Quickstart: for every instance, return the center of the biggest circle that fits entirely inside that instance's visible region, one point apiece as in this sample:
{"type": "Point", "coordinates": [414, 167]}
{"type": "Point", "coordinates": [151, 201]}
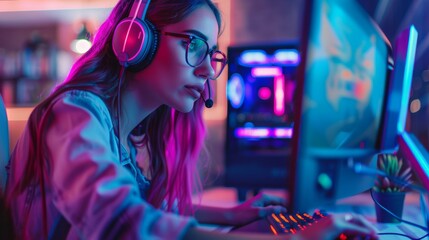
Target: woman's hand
{"type": "Point", "coordinates": [331, 227]}
{"type": "Point", "coordinates": [257, 207]}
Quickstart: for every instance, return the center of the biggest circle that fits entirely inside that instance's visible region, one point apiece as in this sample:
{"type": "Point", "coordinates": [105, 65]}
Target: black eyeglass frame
{"type": "Point", "coordinates": [190, 37]}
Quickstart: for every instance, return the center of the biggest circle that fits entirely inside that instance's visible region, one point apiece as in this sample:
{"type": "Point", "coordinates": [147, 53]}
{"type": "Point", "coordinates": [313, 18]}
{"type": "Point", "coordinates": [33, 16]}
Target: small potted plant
{"type": "Point", "coordinates": [389, 190]}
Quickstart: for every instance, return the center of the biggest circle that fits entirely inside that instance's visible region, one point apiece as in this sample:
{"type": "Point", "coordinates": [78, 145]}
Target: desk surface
{"type": "Point", "coordinates": [364, 205]}
{"type": "Point", "coordinates": [360, 204]}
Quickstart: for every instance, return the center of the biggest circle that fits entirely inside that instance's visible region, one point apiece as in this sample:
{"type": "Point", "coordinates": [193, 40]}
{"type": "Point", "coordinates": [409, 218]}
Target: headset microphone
{"type": "Point", "coordinates": [209, 102]}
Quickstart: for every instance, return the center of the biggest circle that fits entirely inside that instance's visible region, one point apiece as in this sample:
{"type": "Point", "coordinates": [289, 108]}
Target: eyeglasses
{"type": "Point", "coordinates": [197, 50]}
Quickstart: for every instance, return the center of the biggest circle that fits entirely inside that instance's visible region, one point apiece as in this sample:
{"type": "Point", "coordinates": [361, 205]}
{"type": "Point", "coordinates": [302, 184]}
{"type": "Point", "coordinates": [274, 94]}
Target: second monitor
{"type": "Point", "coordinates": [341, 94]}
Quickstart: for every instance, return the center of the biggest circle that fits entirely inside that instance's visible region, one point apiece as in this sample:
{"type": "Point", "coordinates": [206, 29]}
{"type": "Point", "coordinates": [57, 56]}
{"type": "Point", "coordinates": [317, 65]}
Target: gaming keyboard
{"type": "Point", "coordinates": [286, 223]}
{"type": "Point", "coordinates": [289, 223]}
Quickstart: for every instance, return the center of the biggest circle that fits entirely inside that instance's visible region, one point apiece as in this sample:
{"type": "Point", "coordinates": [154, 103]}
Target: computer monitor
{"type": "Point", "coordinates": [342, 84]}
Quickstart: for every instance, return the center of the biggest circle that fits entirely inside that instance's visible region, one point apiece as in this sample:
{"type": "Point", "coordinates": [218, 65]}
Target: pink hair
{"type": "Point", "coordinates": [175, 141]}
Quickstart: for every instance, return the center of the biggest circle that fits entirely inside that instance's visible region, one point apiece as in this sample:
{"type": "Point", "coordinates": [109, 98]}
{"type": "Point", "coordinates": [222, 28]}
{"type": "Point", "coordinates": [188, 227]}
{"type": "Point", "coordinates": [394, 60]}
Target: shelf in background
{"type": "Point", "coordinates": [18, 13]}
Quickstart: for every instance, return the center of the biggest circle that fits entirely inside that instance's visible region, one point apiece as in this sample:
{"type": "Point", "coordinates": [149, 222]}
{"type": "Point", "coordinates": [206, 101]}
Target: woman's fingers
{"type": "Point", "coordinates": [266, 200]}
{"type": "Point", "coordinates": [361, 221]}
{"type": "Point", "coordinates": [265, 211]}
{"type": "Point", "coordinates": [341, 226]}
{"type": "Point", "coordinates": [355, 226]}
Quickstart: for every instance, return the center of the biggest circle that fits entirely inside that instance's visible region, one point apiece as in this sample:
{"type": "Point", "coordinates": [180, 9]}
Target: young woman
{"type": "Point", "coordinates": [74, 174]}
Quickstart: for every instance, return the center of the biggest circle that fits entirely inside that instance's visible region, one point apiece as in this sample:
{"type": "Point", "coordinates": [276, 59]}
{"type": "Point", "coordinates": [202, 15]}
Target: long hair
{"type": "Point", "coordinates": [174, 139]}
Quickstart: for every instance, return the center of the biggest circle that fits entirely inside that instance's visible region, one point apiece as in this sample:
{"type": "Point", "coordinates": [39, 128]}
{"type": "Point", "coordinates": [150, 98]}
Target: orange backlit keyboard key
{"type": "Point", "coordinates": [292, 222]}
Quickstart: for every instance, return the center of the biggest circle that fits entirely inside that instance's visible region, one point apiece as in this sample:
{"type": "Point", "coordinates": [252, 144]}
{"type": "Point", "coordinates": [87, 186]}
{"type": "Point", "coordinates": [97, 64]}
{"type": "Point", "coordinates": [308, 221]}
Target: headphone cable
{"type": "Point", "coordinates": [118, 110]}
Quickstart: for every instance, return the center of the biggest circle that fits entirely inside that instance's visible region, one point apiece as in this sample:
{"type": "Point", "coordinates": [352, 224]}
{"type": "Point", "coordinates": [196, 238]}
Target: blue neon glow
{"type": "Point", "coordinates": [286, 57]}
{"type": "Point", "coordinates": [253, 57]}
{"type": "Point", "coordinates": [235, 90]}
{"type": "Point", "coordinates": [408, 76]}
{"type": "Point", "coordinates": [418, 155]}
{"type": "Point", "coordinates": [281, 57]}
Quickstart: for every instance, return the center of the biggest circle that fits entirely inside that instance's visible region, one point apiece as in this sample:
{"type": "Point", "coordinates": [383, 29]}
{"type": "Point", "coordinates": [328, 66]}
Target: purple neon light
{"type": "Point", "coordinates": [250, 132]}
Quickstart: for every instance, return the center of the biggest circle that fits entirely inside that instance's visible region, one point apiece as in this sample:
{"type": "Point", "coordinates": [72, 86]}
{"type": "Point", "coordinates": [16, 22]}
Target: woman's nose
{"type": "Point", "coordinates": [205, 69]}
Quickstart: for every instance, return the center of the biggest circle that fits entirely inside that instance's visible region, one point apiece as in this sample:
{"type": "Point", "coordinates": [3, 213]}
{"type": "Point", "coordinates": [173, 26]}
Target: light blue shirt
{"type": "Point", "coordinates": [86, 182]}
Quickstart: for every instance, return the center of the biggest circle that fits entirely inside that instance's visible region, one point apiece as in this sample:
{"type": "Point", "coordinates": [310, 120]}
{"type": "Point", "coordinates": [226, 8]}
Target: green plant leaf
{"type": "Point", "coordinates": [392, 166]}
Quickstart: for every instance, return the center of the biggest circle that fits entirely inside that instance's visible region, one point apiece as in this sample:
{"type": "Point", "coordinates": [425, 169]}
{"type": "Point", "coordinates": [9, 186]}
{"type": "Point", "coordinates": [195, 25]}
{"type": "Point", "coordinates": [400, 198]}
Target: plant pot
{"type": "Point", "coordinates": [393, 201]}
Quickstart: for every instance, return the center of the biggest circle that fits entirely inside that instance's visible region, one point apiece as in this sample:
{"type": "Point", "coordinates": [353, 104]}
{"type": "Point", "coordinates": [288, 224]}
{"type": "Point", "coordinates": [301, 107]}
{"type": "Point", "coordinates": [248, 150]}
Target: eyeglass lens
{"type": "Point", "coordinates": [197, 52]}
{"type": "Point", "coordinates": [218, 63]}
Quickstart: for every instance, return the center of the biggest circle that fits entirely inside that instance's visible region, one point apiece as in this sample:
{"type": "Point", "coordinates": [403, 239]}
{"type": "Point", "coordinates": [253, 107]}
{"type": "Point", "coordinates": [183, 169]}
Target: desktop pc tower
{"type": "Point", "coordinates": [260, 91]}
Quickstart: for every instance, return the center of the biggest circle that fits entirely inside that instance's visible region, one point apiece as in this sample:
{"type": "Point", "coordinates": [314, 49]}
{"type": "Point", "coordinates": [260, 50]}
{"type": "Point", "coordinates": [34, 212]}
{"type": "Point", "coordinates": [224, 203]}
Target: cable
{"type": "Point", "coordinates": [118, 110]}
{"type": "Point", "coordinates": [359, 168]}
{"type": "Point", "coordinates": [424, 236]}
{"type": "Point", "coordinates": [395, 216]}
{"type": "Point", "coordinates": [362, 169]}
{"type": "Point", "coordinates": [423, 206]}
{"type": "Point", "coordinates": [404, 235]}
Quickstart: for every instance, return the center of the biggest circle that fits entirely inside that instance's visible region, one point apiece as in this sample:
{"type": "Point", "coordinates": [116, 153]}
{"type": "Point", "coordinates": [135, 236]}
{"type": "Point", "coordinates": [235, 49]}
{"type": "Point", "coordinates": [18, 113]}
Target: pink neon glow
{"type": "Point", "coordinates": [266, 71]}
{"type": "Point", "coordinates": [283, 132]}
{"type": "Point", "coordinates": [252, 132]}
{"type": "Point", "coordinates": [279, 95]}
{"type": "Point", "coordinates": [249, 132]}
{"type": "Point", "coordinates": [264, 93]}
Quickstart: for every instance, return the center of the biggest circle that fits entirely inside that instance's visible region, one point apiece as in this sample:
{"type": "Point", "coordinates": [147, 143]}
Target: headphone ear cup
{"type": "Point", "coordinates": [135, 46]}
{"type": "Point", "coordinates": [150, 48]}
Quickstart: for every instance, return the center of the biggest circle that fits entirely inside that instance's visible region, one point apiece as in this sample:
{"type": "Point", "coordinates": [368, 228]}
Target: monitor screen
{"type": "Point", "coordinates": [344, 79]}
{"type": "Point", "coordinates": [340, 100]}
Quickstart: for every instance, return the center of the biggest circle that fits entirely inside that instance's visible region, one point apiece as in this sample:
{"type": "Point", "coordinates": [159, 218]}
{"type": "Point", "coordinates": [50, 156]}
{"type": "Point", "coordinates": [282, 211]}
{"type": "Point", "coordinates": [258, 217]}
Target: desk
{"type": "Point", "coordinates": [363, 204]}
{"type": "Point", "coordinates": [360, 204]}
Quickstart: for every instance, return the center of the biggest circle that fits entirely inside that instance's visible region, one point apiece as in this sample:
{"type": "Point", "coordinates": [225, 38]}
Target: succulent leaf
{"type": "Point", "coordinates": [395, 167]}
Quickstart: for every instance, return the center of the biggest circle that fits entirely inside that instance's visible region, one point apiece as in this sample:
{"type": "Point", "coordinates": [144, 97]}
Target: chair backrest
{"type": "Point", "coordinates": [4, 145]}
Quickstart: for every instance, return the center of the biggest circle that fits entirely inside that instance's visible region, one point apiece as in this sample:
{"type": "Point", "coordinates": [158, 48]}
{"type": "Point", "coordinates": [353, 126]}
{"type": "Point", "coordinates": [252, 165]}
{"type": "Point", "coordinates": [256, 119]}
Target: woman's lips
{"type": "Point", "coordinates": [194, 91]}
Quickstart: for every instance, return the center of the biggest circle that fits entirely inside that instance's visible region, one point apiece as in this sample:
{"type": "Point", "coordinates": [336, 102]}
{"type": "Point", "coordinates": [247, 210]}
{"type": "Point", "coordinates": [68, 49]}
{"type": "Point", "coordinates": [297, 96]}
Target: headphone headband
{"type": "Point", "coordinates": [139, 11]}
{"type": "Point", "coordinates": [135, 39]}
